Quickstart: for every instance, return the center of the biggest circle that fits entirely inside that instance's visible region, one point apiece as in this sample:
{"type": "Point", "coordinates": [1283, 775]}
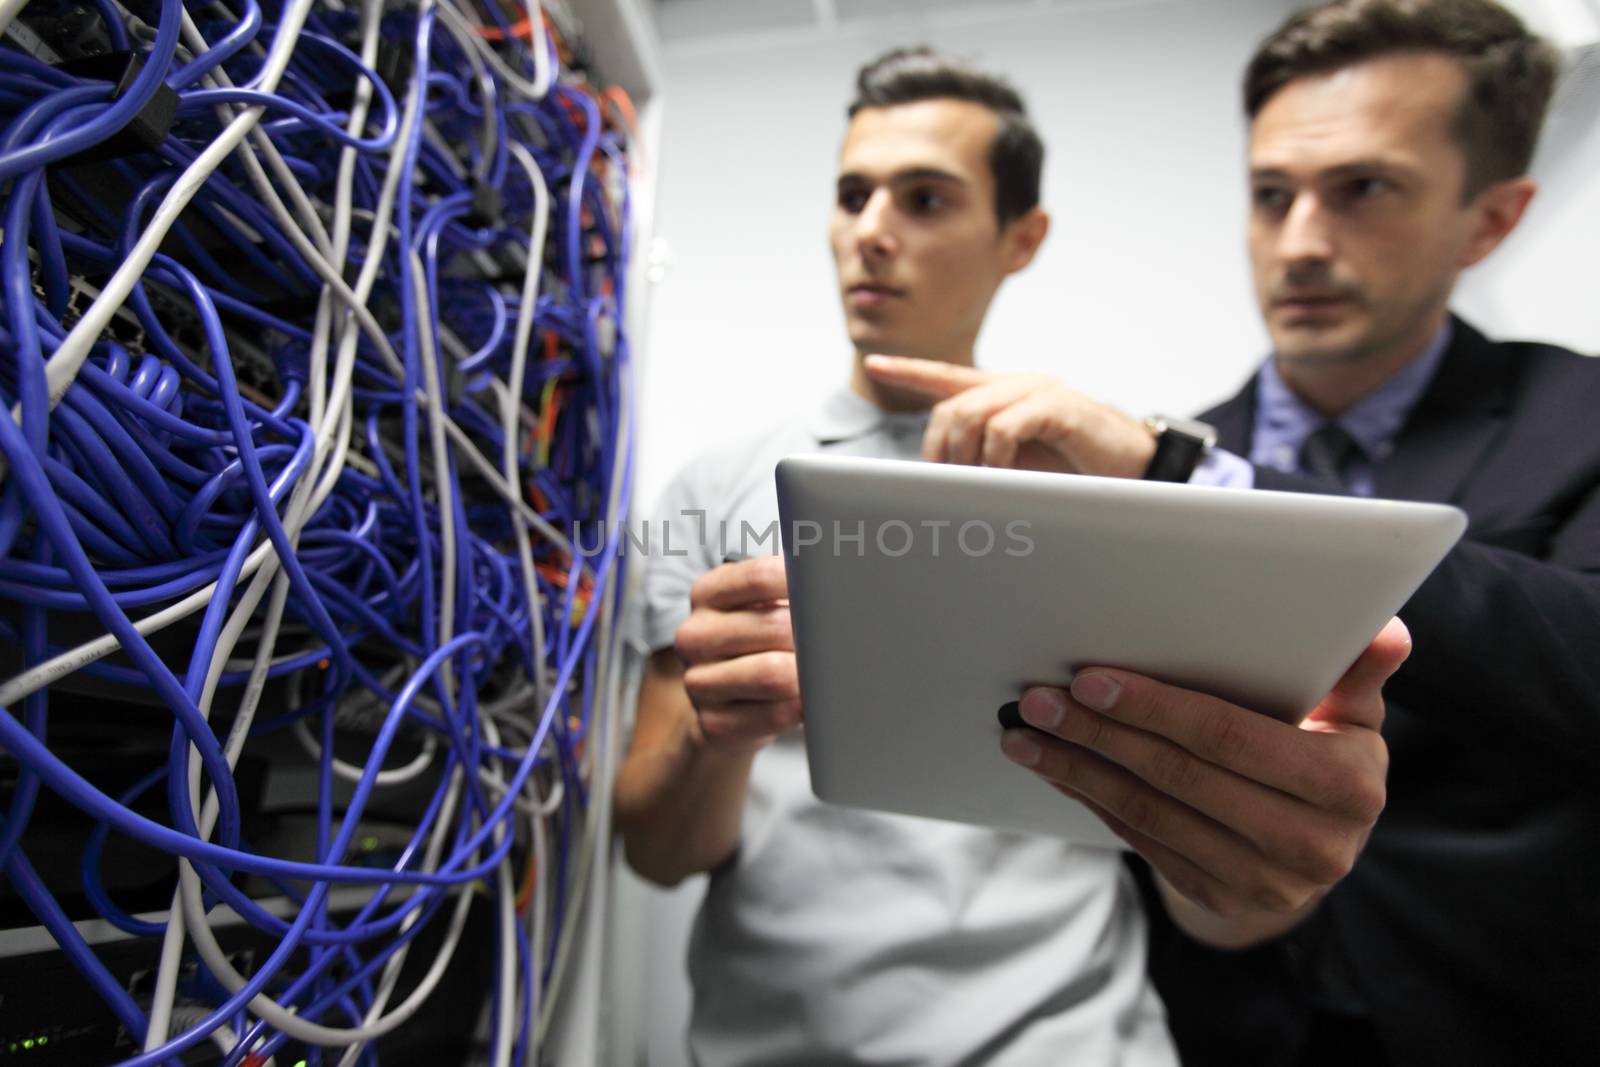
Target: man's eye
{"type": "Point", "coordinates": [926, 201]}
{"type": "Point", "coordinates": [852, 200]}
{"type": "Point", "coordinates": [1271, 198]}
{"type": "Point", "coordinates": [1367, 188]}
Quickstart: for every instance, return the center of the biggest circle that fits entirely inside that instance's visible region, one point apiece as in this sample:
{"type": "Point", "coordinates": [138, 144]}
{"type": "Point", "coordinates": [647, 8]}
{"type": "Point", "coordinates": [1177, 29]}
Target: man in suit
{"type": "Point", "coordinates": [1388, 148]}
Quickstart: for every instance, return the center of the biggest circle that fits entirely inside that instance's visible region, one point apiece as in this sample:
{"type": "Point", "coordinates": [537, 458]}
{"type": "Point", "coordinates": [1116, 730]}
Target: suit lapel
{"type": "Point", "coordinates": [1235, 420]}
{"type": "Point", "coordinates": [1459, 416]}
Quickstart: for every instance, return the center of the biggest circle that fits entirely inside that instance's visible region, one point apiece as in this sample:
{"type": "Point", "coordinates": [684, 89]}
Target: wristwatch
{"type": "Point", "coordinates": [1180, 445]}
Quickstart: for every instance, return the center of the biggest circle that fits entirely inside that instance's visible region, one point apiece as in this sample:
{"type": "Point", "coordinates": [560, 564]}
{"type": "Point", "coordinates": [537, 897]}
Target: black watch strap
{"type": "Point", "coordinates": [1180, 446]}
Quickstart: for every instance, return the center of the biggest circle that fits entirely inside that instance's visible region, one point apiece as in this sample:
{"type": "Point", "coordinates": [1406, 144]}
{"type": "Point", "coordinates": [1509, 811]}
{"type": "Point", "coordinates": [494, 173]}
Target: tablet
{"type": "Point", "coordinates": [925, 596]}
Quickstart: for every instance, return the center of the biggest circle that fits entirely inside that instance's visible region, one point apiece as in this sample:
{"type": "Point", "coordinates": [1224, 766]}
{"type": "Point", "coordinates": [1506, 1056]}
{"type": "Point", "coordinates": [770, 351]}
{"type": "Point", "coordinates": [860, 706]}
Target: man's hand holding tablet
{"type": "Point", "coordinates": [1248, 819]}
{"type": "Point", "coordinates": [737, 648]}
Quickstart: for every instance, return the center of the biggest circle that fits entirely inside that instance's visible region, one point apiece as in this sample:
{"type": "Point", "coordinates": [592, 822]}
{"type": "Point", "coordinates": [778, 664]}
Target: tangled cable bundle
{"type": "Point", "coordinates": [314, 355]}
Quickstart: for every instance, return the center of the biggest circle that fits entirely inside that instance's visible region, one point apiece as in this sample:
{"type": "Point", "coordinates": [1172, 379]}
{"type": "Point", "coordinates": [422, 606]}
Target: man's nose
{"type": "Point", "coordinates": [875, 226]}
{"type": "Point", "coordinates": [1307, 232]}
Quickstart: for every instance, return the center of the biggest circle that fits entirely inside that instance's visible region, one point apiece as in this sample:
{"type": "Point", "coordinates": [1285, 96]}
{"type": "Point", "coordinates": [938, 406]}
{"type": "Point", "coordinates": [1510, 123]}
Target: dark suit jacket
{"type": "Point", "coordinates": [1470, 926]}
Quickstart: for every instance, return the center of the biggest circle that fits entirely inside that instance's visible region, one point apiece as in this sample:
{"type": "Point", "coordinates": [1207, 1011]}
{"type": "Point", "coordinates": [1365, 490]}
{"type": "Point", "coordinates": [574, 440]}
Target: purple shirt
{"type": "Point", "coordinates": [1283, 422]}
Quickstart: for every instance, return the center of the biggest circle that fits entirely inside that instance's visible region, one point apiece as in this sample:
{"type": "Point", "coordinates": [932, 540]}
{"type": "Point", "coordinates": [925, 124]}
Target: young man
{"type": "Point", "coordinates": [831, 935]}
{"type": "Point", "coordinates": [1389, 144]}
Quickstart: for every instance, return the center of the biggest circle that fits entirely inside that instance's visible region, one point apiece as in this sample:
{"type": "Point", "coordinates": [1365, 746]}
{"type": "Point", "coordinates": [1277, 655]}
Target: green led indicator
{"type": "Point", "coordinates": [27, 1042]}
{"type": "Point", "coordinates": [302, 1063]}
{"type": "Point", "coordinates": [368, 844]}
{"type": "Point", "coordinates": [43, 1041]}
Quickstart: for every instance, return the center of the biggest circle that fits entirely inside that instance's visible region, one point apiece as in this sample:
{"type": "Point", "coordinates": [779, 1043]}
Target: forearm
{"type": "Point", "coordinates": [1234, 932]}
{"type": "Point", "coordinates": [679, 812]}
{"type": "Point", "coordinates": [679, 802]}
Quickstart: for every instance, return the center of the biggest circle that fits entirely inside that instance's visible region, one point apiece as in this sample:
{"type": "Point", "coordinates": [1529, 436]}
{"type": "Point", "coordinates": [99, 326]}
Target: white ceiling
{"type": "Point", "coordinates": [703, 20]}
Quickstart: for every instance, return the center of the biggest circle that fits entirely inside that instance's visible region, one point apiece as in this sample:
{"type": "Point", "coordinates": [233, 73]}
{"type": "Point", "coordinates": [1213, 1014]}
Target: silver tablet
{"type": "Point", "coordinates": [925, 596]}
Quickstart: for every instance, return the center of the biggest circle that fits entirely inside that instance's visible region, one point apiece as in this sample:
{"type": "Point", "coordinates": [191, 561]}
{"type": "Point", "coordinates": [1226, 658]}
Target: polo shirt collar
{"type": "Point", "coordinates": [845, 415]}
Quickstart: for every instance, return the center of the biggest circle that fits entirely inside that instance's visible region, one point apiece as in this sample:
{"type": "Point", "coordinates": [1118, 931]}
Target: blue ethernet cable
{"type": "Point", "coordinates": [155, 475]}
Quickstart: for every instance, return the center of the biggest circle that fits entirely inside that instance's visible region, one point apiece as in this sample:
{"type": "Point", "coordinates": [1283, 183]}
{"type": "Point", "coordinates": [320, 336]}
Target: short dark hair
{"type": "Point", "coordinates": [910, 75]}
{"type": "Point", "coordinates": [1511, 72]}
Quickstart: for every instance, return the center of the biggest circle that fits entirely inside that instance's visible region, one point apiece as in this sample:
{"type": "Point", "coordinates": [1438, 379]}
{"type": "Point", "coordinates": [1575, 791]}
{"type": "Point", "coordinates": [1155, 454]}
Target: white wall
{"type": "Point", "coordinates": [1140, 297]}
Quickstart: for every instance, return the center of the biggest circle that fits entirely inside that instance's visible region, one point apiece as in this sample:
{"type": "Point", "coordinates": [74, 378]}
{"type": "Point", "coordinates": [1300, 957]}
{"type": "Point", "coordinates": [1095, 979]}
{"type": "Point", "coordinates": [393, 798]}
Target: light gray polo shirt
{"type": "Point", "coordinates": [838, 936]}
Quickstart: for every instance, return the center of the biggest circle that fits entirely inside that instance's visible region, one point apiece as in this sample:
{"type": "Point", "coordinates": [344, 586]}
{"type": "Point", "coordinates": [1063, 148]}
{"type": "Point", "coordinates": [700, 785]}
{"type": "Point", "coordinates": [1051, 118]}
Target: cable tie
{"type": "Point", "coordinates": [147, 129]}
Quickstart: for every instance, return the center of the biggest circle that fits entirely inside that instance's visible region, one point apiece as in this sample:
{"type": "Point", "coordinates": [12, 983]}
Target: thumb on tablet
{"type": "Point", "coordinates": [1357, 699]}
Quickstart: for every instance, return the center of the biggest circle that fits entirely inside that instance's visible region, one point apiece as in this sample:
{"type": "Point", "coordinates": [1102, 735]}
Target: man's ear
{"type": "Point", "coordinates": [1499, 208]}
{"type": "Point", "coordinates": [1022, 238]}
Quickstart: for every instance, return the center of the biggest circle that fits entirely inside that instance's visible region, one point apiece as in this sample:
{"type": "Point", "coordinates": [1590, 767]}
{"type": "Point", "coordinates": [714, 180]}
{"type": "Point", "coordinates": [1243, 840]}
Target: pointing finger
{"type": "Point", "coordinates": [931, 377]}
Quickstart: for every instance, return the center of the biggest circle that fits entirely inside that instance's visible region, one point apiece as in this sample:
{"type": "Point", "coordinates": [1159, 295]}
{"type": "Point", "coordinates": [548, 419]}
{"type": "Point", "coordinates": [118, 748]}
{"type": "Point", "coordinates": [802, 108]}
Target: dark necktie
{"type": "Point", "coordinates": [1327, 452]}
